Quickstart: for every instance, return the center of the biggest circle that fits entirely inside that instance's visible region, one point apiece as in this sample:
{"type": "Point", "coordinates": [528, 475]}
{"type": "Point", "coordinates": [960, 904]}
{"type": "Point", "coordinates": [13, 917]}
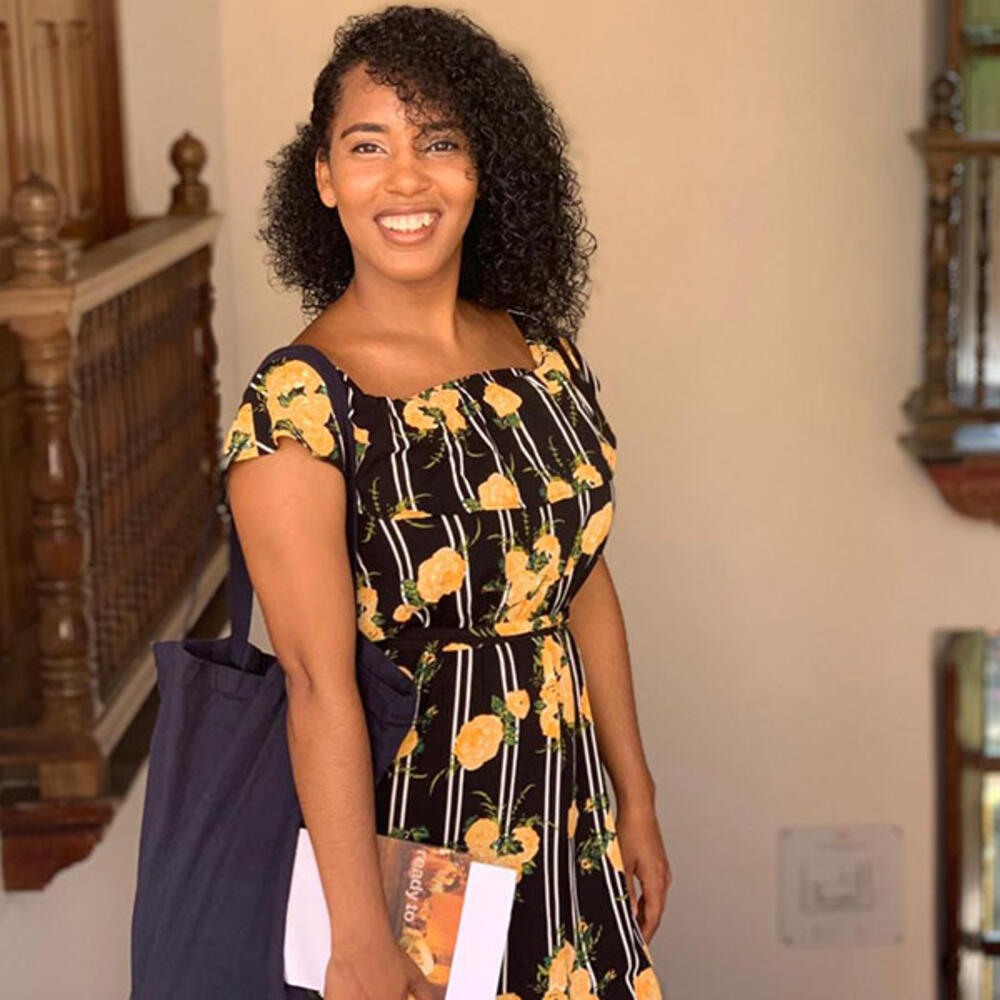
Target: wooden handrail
{"type": "Point", "coordinates": [963, 143]}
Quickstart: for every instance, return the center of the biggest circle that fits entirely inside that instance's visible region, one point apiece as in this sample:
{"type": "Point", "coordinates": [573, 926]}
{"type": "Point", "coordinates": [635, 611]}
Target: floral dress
{"type": "Point", "coordinates": [483, 503]}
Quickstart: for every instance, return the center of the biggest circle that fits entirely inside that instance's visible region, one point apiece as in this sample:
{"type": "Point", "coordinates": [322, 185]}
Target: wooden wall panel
{"type": "Point", "coordinates": [60, 114]}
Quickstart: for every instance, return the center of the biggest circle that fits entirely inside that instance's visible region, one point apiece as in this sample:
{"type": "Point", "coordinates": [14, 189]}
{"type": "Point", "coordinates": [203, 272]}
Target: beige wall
{"type": "Point", "coordinates": [781, 562]}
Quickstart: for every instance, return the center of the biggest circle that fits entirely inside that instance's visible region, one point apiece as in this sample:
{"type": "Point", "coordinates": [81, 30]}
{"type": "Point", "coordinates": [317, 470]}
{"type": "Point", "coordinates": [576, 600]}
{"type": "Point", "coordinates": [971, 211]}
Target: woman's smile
{"type": "Point", "coordinates": [408, 230]}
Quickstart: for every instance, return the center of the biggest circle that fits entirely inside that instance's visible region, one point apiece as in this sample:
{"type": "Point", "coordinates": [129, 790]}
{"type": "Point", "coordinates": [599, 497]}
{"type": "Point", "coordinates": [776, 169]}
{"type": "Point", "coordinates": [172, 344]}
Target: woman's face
{"type": "Point", "coordinates": [404, 193]}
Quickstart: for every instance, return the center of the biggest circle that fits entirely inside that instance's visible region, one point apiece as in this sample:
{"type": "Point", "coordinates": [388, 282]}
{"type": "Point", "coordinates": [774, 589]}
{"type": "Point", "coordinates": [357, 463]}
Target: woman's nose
{"type": "Point", "coordinates": [406, 172]}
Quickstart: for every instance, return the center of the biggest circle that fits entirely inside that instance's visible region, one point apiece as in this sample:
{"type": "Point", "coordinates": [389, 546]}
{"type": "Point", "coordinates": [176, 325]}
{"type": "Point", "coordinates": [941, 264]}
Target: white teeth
{"type": "Point", "coordinates": [407, 223]}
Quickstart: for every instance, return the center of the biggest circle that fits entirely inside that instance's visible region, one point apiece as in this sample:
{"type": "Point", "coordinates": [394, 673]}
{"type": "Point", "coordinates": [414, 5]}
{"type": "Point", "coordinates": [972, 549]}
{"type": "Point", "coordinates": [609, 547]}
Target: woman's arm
{"type": "Point", "coordinates": [290, 510]}
{"type": "Point", "coordinates": [599, 630]}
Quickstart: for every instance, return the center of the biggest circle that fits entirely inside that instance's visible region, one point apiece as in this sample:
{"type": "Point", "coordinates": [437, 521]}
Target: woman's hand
{"type": "Point", "coordinates": [380, 970]}
{"type": "Point", "coordinates": [644, 856]}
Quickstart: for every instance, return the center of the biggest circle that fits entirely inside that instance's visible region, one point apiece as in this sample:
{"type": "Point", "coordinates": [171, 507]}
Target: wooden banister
{"type": "Point", "coordinates": [119, 395]}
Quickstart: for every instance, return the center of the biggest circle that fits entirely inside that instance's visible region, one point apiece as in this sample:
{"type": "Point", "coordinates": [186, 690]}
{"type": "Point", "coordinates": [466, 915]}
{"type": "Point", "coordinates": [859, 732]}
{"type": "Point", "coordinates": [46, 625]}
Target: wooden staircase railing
{"type": "Point", "coordinates": [955, 411]}
{"type": "Point", "coordinates": [119, 470]}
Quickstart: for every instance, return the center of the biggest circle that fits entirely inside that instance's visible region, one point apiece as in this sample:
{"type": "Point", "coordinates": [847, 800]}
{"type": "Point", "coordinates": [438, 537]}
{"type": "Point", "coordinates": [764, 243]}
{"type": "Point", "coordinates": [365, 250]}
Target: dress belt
{"type": "Point", "coordinates": [424, 634]}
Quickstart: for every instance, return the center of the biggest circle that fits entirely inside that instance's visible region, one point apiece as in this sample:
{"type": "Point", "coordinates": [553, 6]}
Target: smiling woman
{"type": "Point", "coordinates": [430, 218]}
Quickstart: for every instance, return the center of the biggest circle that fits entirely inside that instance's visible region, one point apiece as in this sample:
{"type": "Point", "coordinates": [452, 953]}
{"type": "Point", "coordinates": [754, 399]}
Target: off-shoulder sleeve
{"type": "Point", "coordinates": [285, 397]}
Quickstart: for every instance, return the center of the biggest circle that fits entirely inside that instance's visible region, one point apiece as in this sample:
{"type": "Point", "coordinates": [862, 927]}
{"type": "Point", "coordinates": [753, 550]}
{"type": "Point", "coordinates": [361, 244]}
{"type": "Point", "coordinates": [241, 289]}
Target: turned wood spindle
{"type": "Point", "coordinates": [59, 537]}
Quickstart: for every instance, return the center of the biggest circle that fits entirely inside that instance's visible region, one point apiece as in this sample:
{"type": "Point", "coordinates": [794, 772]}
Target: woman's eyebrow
{"type": "Point", "coordinates": [435, 126]}
{"type": "Point", "coordinates": [440, 126]}
{"type": "Point", "coordinates": [363, 127]}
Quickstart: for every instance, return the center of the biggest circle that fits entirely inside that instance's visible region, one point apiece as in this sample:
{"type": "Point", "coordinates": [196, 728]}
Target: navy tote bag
{"type": "Point", "coordinates": [221, 813]}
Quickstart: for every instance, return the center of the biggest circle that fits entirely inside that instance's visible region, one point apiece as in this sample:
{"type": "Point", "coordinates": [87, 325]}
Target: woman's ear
{"type": "Point", "coordinates": [324, 182]}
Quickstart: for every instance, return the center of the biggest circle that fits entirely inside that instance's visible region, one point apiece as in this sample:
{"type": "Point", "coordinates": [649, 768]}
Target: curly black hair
{"type": "Point", "coordinates": [526, 246]}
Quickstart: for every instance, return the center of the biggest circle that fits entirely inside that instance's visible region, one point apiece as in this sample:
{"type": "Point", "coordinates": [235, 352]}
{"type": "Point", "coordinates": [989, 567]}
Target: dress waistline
{"type": "Point", "coordinates": [419, 634]}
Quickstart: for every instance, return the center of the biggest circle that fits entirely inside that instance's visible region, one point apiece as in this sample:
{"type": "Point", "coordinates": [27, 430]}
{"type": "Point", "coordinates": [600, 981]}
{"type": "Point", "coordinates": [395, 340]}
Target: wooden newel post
{"type": "Point", "coordinates": [39, 319]}
{"type": "Point", "coordinates": [189, 196]}
{"type": "Point", "coordinates": [946, 170]}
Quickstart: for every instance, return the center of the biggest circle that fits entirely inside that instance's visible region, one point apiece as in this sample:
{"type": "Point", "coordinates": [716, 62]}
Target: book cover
{"type": "Point", "coordinates": [449, 913]}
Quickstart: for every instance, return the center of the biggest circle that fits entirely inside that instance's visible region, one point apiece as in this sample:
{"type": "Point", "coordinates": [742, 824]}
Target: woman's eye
{"type": "Point", "coordinates": [445, 145]}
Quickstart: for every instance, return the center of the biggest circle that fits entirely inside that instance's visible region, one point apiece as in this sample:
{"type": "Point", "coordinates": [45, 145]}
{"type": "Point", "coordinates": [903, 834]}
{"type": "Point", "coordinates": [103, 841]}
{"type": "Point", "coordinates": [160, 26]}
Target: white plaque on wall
{"type": "Point", "coordinates": [840, 885]}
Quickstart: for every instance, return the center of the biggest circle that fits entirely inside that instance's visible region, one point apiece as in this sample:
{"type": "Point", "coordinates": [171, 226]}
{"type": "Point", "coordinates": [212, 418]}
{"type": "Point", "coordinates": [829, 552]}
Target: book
{"type": "Point", "coordinates": [450, 914]}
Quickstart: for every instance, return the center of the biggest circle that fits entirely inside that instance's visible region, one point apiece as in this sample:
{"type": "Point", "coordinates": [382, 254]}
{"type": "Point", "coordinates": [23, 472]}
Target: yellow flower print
{"type": "Point", "coordinates": [527, 589]}
{"type": "Point", "coordinates": [548, 545]}
{"type": "Point", "coordinates": [561, 965]}
{"type": "Point", "coordinates": [288, 378]}
{"type": "Point", "coordinates": [647, 986]}
{"type": "Point", "coordinates": [478, 741]}
{"type": "Point", "coordinates": [515, 562]}
{"type": "Point", "coordinates": [241, 439]}
{"type": "Point", "coordinates": [565, 687]}
{"type": "Point", "coordinates": [596, 529]}
{"type": "Point", "coordinates": [548, 719]}
{"type": "Point", "coordinates": [498, 493]}
{"type": "Point", "coordinates": [588, 473]}
{"type": "Point", "coordinates": [485, 831]}
{"type": "Point", "coordinates": [519, 702]}
{"type": "Point", "coordinates": [609, 454]}
{"type": "Point", "coordinates": [579, 985]}
{"type": "Point", "coordinates": [504, 401]}
{"type": "Point", "coordinates": [367, 598]}
{"type": "Point", "coordinates": [447, 400]}
{"type": "Point", "coordinates": [480, 837]}
{"type": "Point", "coordinates": [558, 489]}
{"type": "Point", "coordinates": [552, 654]}
{"type": "Point", "coordinates": [572, 815]}
{"type": "Point", "coordinates": [549, 693]}
{"type": "Point", "coordinates": [415, 416]}
{"type": "Point", "coordinates": [513, 627]}
{"type": "Point", "coordinates": [555, 995]}
{"type": "Point", "coordinates": [296, 406]}
{"type": "Point", "coordinates": [528, 608]}
{"type": "Point", "coordinates": [529, 841]}
{"type": "Point", "coordinates": [585, 704]}
{"type": "Point", "coordinates": [569, 567]}
{"type": "Point", "coordinates": [551, 364]}
{"type": "Point", "coordinates": [520, 583]}
{"type": "Point", "coordinates": [425, 414]}
{"type": "Point", "coordinates": [404, 612]}
{"type": "Point", "coordinates": [440, 574]}
{"type": "Point", "coordinates": [408, 744]}
{"type": "Point", "coordinates": [455, 647]}
{"type": "Point", "coordinates": [408, 514]}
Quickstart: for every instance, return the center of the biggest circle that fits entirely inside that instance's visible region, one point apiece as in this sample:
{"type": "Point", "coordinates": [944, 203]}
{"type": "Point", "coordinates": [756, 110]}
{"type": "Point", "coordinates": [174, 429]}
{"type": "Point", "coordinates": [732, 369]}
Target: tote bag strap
{"type": "Point", "coordinates": [239, 589]}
